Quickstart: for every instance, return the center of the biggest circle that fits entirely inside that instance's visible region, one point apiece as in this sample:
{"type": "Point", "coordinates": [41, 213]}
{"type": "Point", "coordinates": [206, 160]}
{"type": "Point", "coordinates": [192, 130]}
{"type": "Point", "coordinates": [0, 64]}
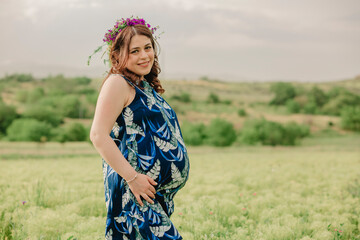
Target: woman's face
{"type": "Point", "coordinates": [141, 55]}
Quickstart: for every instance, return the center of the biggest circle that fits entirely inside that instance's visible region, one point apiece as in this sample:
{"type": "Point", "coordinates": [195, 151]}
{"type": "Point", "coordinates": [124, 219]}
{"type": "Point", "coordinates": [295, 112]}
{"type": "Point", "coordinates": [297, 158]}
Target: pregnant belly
{"type": "Point", "coordinates": [174, 173]}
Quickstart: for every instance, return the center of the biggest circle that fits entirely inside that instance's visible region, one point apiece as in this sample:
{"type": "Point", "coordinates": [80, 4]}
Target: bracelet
{"type": "Point", "coordinates": [133, 178]}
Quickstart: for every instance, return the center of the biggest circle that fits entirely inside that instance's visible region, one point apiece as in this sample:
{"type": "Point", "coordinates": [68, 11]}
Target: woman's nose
{"type": "Point", "coordinates": [143, 54]}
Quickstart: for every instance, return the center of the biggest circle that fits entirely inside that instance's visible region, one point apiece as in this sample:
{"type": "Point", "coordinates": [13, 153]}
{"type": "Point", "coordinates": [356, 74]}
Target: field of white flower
{"type": "Point", "coordinates": [55, 191]}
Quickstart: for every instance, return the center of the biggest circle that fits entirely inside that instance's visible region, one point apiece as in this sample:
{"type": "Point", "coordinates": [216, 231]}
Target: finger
{"type": "Point", "coordinates": [151, 194]}
{"type": "Point", "coordinates": [152, 181]}
{"type": "Point", "coordinates": [139, 200]}
{"type": "Point", "coordinates": [152, 189]}
{"type": "Point", "coordinates": [146, 197]}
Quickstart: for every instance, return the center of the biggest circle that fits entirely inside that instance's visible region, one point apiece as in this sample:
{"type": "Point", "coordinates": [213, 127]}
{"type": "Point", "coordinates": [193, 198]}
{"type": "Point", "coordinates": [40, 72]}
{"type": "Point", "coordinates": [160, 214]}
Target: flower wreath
{"type": "Point", "coordinates": [111, 34]}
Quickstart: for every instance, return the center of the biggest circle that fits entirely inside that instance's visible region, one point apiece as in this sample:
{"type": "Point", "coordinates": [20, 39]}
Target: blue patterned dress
{"type": "Point", "coordinates": [147, 133]}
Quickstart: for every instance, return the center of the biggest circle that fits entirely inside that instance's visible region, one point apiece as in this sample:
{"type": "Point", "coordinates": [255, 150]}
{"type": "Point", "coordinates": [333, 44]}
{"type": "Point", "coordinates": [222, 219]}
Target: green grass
{"type": "Point", "coordinates": [303, 192]}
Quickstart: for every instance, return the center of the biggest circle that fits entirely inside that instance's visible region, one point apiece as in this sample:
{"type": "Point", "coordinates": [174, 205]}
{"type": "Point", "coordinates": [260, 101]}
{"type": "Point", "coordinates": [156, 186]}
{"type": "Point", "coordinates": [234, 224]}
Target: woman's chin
{"type": "Point", "coordinates": [144, 73]}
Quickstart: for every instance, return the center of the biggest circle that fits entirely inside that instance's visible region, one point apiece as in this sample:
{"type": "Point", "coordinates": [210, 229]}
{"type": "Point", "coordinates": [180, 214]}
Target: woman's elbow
{"type": "Point", "coordinates": [94, 137]}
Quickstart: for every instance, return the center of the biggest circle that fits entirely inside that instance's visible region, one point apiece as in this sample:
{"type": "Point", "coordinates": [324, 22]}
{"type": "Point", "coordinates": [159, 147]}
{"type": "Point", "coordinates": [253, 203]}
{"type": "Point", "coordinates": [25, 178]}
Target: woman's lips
{"type": "Point", "coordinates": [144, 64]}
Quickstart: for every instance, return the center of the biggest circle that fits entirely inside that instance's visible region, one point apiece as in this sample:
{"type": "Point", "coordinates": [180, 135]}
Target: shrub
{"type": "Point", "coordinates": [292, 106]}
{"type": "Point", "coordinates": [336, 91]}
{"type": "Point", "coordinates": [302, 100]}
{"type": "Point", "coordinates": [7, 115]}
{"type": "Point", "coordinates": [87, 91]}
{"type": "Point", "coordinates": [283, 92]}
{"type": "Point", "coordinates": [334, 106]}
{"type": "Point", "coordinates": [35, 95]}
{"type": "Point", "coordinates": [92, 98]}
{"type": "Point", "coordinates": [76, 132]}
{"type": "Point", "coordinates": [220, 133]}
{"type": "Point", "coordinates": [265, 132]}
{"type": "Point", "coordinates": [226, 102]}
{"type": "Point", "coordinates": [59, 82]}
{"type": "Point", "coordinates": [350, 118]}
{"type": "Point", "coordinates": [182, 97]}
{"type": "Point", "coordinates": [293, 132]}
{"type": "Point", "coordinates": [70, 106]}
{"type": "Point", "coordinates": [19, 77]}
{"type": "Point", "coordinates": [193, 133]}
{"type": "Point", "coordinates": [24, 77]}
{"type": "Point", "coordinates": [27, 129]}
{"type": "Point", "coordinates": [317, 96]}
{"type": "Point", "coordinates": [213, 98]}
{"type": "Point", "coordinates": [50, 101]}
{"type": "Point", "coordinates": [55, 92]}
{"type": "Point", "coordinates": [242, 112]}
{"type": "Point", "coordinates": [72, 132]}
{"type": "Point", "coordinates": [310, 108]}
{"type": "Point", "coordinates": [272, 133]}
{"type": "Point", "coordinates": [21, 96]}
{"type": "Point", "coordinates": [82, 80]}
{"type": "Point", "coordinates": [44, 114]}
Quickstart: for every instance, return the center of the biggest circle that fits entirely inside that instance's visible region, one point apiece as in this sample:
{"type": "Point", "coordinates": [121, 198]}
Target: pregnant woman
{"type": "Point", "coordinates": [137, 133]}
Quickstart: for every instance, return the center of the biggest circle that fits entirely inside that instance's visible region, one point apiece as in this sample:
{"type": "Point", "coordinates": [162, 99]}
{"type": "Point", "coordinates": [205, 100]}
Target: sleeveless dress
{"type": "Point", "coordinates": [147, 133]}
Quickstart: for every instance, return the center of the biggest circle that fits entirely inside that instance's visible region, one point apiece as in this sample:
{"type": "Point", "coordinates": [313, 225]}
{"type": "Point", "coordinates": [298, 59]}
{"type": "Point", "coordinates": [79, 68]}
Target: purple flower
{"type": "Point", "coordinates": [111, 34]}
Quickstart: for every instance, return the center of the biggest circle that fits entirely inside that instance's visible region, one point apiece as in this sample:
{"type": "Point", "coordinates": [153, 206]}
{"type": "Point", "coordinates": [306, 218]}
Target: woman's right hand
{"type": "Point", "coordinates": [142, 186]}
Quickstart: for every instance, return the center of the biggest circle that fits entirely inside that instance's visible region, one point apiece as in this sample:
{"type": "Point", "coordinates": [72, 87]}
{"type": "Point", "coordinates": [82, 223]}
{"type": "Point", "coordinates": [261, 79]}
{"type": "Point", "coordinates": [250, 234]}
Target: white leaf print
{"type": "Point", "coordinates": [154, 217]}
{"type": "Point", "coordinates": [129, 225]}
{"type": "Point", "coordinates": [165, 105]}
{"type": "Point", "coordinates": [175, 173]}
{"type": "Point", "coordinates": [120, 219]}
{"type": "Point", "coordinates": [134, 129]}
{"type": "Point", "coordinates": [178, 181]}
{"type": "Point", "coordinates": [138, 216]}
{"type": "Point", "coordinates": [116, 129]}
{"type": "Point", "coordinates": [132, 157]}
{"type": "Point", "coordinates": [105, 166]}
{"type": "Point", "coordinates": [128, 116]}
{"type": "Point", "coordinates": [164, 145]}
{"type": "Point", "coordinates": [170, 205]}
{"type": "Point", "coordinates": [178, 135]}
{"type": "Point", "coordinates": [143, 208]}
{"type": "Point", "coordinates": [160, 230]}
{"type": "Point", "coordinates": [155, 170]}
{"type": "Point", "coordinates": [125, 197]}
{"type": "Point", "coordinates": [150, 102]}
{"type": "Point", "coordinates": [109, 235]}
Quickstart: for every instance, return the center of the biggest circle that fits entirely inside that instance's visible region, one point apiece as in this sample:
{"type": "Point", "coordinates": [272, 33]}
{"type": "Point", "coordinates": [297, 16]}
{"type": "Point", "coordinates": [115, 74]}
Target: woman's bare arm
{"type": "Point", "coordinates": [111, 101]}
{"type": "Point", "coordinates": [114, 95]}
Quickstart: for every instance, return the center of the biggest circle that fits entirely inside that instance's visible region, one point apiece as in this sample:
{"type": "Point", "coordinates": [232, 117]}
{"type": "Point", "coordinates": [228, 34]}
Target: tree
{"type": "Point", "coordinates": [27, 129]}
{"type": "Point", "coordinates": [220, 133]}
{"type": "Point", "coordinates": [317, 96]}
{"type": "Point", "coordinates": [7, 115]}
{"type": "Point", "coordinates": [350, 118]}
{"type": "Point", "coordinates": [283, 92]}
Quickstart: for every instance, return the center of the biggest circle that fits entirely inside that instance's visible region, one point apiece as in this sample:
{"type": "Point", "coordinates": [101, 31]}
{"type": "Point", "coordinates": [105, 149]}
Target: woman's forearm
{"type": "Point", "coordinates": [112, 155]}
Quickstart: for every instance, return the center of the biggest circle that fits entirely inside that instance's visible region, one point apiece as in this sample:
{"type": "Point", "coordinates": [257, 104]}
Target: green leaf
{"type": "Point", "coordinates": [96, 51]}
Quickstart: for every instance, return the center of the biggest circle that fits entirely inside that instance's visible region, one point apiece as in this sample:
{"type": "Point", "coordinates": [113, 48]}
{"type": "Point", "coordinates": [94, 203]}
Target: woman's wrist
{"type": "Point", "coordinates": [132, 179]}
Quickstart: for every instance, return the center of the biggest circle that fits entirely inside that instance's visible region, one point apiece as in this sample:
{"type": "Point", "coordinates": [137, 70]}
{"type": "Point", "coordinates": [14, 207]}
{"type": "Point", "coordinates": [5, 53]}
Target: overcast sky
{"type": "Point", "coordinates": [235, 40]}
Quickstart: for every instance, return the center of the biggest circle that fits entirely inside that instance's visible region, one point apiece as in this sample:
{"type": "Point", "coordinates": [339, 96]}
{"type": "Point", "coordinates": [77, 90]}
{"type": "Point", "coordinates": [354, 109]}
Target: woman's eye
{"type": "Point", "coordinates": [134, 51]}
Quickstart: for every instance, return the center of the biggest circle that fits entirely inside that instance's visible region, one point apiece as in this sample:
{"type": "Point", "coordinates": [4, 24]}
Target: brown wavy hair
{"type": "Point", "coordinates": [119, 54]}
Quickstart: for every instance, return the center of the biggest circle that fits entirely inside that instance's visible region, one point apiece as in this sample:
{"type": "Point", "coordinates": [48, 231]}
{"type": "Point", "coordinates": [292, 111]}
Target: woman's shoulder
{"type": "Point", "coordinates": [117, 84]}
{"type": "Point", "coordinates": [118, 80]}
